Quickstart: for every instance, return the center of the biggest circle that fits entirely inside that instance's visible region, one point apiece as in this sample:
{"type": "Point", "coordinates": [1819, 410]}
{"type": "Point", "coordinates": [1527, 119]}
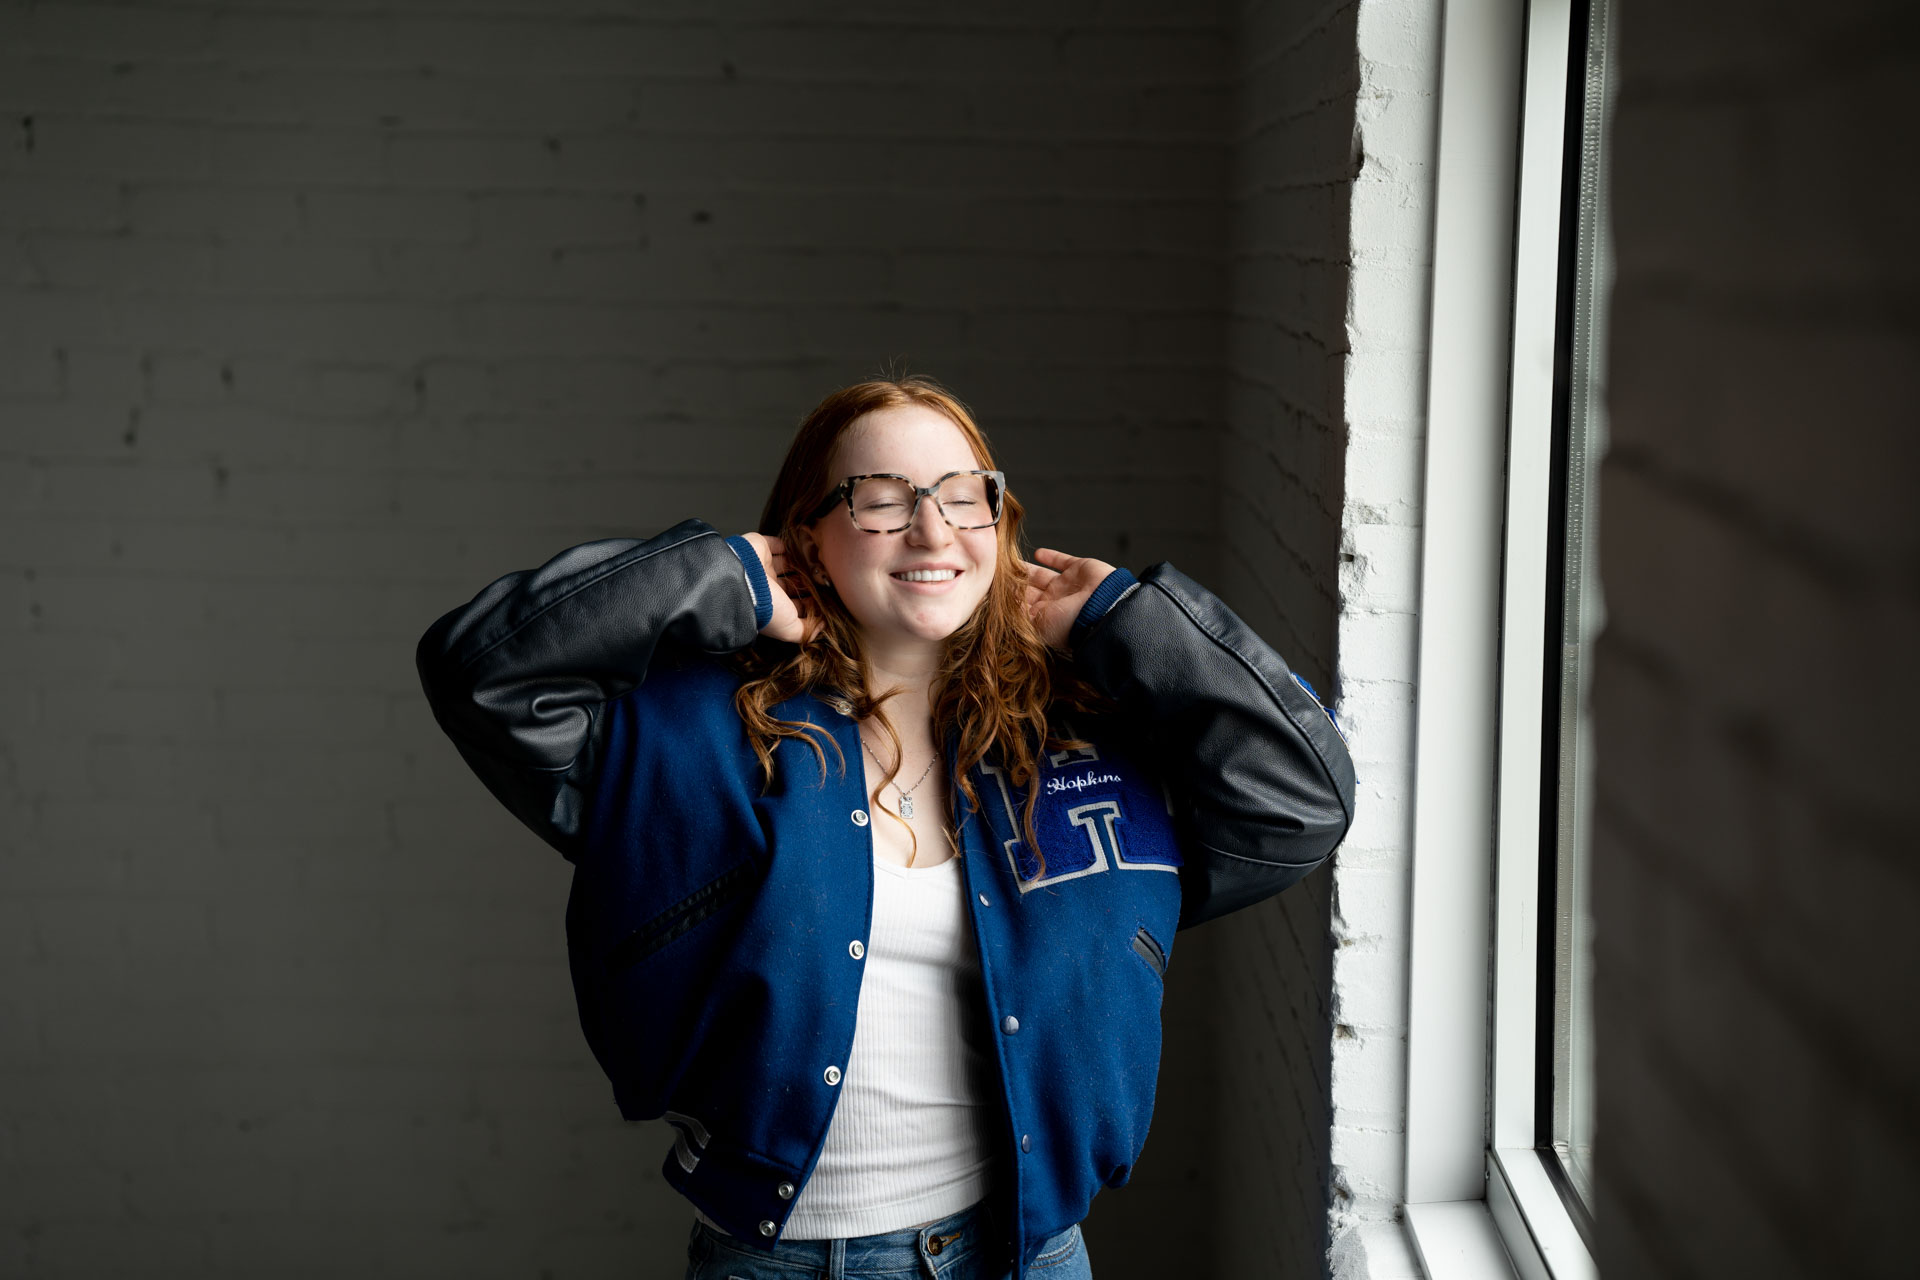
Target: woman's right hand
{"type": "Point", "coordinates": [788, 621]}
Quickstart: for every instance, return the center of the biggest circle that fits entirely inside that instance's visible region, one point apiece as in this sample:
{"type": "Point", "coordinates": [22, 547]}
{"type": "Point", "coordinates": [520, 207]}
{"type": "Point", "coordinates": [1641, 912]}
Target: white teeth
{"type": "Point", "coordinates": [927, 575]}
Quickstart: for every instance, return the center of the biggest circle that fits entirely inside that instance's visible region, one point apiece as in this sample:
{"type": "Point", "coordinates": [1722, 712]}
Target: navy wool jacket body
{"type": "Point", "coordinates": [716, 924]}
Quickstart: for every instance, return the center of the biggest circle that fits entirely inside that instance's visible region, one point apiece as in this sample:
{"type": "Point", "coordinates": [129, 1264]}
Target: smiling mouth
{"type": "Point", "coordinates": [928, 575]}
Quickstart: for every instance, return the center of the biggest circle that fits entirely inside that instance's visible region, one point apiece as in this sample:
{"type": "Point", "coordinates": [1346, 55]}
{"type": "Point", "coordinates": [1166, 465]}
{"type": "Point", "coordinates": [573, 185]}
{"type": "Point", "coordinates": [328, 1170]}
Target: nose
{"type": "Point", "coordinates": [929, 527]}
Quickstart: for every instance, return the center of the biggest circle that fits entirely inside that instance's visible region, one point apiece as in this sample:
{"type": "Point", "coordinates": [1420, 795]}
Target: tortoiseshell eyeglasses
{"type": "Point", "coordinates": [888, 503]}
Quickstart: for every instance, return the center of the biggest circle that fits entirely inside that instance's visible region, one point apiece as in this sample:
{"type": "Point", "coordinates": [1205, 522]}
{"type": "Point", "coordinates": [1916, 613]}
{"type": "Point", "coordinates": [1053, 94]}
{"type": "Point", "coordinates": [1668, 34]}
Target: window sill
{"type": "Point", "coordinates": [1521, 1231]}
{"type": "Point", "coordinates": [1457, 1240]}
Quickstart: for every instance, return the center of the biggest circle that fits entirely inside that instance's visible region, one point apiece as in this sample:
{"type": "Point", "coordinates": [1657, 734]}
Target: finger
{"type": "Point", "coordinates": [1040, 576]}
{"type": "Point", "coordinates": [775, 546]}
{"type": "Point", "coordinates": [1057, 560]}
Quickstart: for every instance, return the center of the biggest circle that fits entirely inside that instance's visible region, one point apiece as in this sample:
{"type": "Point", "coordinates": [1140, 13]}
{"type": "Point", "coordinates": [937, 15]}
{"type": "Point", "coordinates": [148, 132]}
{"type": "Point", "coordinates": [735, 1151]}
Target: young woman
{"type": "Point", "coordinates": [881, 834]}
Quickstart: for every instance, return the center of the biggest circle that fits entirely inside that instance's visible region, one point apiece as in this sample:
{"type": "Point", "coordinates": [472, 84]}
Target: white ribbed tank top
{"type": "Point", "coordinates": [912, 1137]}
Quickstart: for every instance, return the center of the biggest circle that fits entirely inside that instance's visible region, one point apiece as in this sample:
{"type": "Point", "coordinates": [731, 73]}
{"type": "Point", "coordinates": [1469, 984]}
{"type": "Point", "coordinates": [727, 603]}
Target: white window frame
{"type": "Point", "coordinates": [1479, 1202]}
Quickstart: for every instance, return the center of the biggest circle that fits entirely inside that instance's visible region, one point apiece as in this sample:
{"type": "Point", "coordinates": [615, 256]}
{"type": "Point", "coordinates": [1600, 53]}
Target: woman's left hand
{"type": "Point", "coordinates": [1057, 586]}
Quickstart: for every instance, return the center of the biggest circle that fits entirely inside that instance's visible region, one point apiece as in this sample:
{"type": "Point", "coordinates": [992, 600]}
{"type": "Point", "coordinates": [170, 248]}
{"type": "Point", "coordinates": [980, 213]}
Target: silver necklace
{"type": "Point", "coordinates": [906, 794]}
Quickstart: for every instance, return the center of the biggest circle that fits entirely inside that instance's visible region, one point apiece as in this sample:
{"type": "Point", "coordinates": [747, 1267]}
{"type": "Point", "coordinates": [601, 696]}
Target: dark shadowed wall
{"type": "Point", "coordinates": [1755, 874]}
{"type": "Point", "coordinates": [1283, 452]}
{"type": "Point", "coordinates": [315, 320]}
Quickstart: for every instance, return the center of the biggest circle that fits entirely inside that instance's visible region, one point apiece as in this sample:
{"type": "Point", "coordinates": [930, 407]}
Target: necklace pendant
{"type": "Point", "coordinates": [906, 805]}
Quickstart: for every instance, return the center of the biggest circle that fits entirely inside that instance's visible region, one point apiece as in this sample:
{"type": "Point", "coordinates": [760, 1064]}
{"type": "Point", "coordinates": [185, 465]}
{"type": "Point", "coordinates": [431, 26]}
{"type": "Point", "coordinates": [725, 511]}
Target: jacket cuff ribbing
{"type": "Point", "coordinates": [1104, 597]}
{"type": "Point", "coordinates": [756, 579]}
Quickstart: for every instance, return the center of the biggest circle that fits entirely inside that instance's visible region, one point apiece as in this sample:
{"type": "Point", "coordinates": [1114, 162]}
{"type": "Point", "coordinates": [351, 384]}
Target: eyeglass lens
{"type": "Point", "coordinates": [885, 505]}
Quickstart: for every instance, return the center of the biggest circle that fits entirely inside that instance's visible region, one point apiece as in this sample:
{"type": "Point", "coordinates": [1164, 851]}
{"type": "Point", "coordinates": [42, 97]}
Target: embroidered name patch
{"type": "Point", "coordinates": [1059, 786]}
{"type": "Point", "coordinates": [1103, 820]}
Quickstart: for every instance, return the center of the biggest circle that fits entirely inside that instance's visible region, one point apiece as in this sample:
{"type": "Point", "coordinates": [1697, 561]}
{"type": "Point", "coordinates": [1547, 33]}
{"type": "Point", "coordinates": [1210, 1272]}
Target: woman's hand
{"type": "Point", "coordinates": [789, 618]}
{"type": "Point", "coordinates": [1057, 587]}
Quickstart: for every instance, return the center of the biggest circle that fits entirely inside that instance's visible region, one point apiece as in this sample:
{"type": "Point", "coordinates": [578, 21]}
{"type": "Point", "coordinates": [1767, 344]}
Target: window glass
{"type": "Point", "coordinates": [1582, 440]}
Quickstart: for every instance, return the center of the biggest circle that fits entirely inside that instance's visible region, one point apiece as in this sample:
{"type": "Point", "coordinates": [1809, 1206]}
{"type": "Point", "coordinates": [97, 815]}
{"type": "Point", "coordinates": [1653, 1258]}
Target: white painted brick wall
{"type": "Point", "coordinates": [1385, 384]}
{"type": "Point", "coordinates": [314, 320]}
{"type": "Point", "coordinates": [1755, 876]}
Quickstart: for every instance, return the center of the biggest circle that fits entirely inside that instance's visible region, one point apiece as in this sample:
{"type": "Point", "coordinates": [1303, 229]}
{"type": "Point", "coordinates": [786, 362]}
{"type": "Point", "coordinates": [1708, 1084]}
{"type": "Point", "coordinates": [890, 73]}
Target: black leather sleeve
{"type": "Point", "coordinates": [1261, 773]}
{"type": "Point", "coordinates": [518, 677]}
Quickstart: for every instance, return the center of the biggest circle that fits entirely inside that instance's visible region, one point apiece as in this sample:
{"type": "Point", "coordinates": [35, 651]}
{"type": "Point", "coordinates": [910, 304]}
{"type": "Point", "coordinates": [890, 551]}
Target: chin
{"type": "Point", "coordinates": [941, 626]}
{"type": "Point", "coordinates": [941, 630]}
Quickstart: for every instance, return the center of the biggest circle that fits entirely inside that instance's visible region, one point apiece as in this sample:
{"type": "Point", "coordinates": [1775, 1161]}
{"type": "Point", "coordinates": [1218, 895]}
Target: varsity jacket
{"type": "Point", "coordinates": [717, 923]}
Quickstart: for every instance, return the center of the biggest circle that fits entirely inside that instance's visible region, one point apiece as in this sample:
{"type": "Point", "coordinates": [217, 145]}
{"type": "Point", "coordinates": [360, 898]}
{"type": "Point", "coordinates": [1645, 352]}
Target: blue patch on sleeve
{"type": "Point", "coordinates": [1312, 693]}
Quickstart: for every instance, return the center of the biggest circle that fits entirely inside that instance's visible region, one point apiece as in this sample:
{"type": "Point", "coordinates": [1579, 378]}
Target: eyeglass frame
{"type": "Point", "coordinates": [844, 491]}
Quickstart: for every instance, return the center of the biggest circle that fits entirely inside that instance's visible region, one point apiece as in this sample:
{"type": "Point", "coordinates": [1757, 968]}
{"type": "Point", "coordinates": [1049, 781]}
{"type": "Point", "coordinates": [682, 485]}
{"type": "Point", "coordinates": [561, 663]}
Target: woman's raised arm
{"type": "Point", "coordinates": [1253, 758]}
{"type": "Point", "coordinates": [518, 676]}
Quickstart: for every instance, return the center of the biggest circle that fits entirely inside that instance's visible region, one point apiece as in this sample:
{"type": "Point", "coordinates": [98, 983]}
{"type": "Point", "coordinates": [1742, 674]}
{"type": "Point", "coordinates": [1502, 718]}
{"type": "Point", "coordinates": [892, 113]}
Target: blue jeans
{"type": "Point", "coordinates": [965, 1246]}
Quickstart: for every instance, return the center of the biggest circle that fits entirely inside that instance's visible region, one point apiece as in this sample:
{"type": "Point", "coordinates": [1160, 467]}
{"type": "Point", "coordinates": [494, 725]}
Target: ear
{"type": "Point", "coordinates": [809, 548]}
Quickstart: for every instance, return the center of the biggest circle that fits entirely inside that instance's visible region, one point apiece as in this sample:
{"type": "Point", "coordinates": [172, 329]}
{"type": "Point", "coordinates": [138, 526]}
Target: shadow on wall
{"type": "Point", "coordinates": [1755, 878]}
{"type": "Point", "coordinates": [1245, 1076]}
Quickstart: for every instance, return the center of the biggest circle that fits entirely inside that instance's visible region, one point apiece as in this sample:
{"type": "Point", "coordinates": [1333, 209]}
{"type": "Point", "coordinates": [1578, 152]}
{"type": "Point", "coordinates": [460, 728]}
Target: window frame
{"type": "Point", "coordinates": [1481, 1199]}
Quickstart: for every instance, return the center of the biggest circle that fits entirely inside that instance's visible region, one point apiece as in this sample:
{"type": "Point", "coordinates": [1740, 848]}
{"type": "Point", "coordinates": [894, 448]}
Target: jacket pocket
{"type": "Point", "coordinates": [679, 919]}
{"type": "Point", "coordinates": [1150, 951]}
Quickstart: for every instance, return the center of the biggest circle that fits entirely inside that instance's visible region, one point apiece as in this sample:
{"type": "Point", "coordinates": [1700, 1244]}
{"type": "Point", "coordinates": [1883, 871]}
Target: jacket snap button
{"type": "Point", "coordinates": [767, 1228]}
{"type": "Point", "coordinates": [1026, 1142]}
{"type": "Point", "coordinates": [856, 948]}
{"type": "Point", "coordinates": [831, 1075]}
{"type": "Point", "coordinates": [859, 817]}
{"type": "Point", "coordinates": [1010, 1024]}
{"type": "Point", "coordinates": [984, 902]}
{"type": "Point", "coordinates": [784, 1191]}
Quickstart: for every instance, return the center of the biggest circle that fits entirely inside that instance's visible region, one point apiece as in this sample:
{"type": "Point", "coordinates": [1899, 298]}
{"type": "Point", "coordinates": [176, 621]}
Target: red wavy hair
{"type": "Point", "coordinates": [997, 677]}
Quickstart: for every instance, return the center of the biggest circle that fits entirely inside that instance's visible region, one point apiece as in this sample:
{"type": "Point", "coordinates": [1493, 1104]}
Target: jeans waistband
{"type": "Point", "coordinates": [916, 1251]}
